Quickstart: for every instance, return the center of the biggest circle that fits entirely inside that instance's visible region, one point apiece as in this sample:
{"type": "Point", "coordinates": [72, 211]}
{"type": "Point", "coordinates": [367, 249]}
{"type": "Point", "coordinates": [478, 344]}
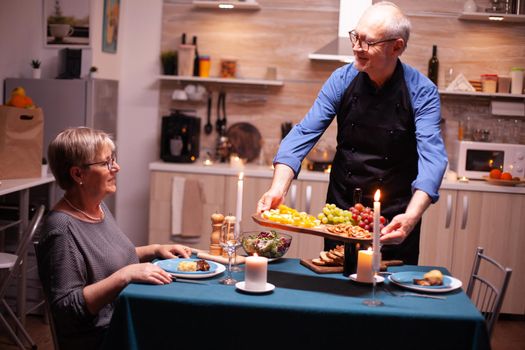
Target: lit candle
{"type": "Point", "coordinates": [238, 212]}
{"type": "Point", "coordinates": [364, 266]}
{"type": "Point", "coordinates": [256, 270]}
{"type": "Point", "coordinates": [236, 162]}
{"type": "Point", "coordinates": [377, 247]}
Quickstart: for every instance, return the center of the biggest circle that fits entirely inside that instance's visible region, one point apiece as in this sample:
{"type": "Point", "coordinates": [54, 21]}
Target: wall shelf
{"type": "Point", "coordinates": [492, 17]}
{"type": "Point", "coordinates": [226, 81]}
{"type": "Point", "coordinates": [227, 5]}
{"type": "Point", "coordinates": [482, 94]}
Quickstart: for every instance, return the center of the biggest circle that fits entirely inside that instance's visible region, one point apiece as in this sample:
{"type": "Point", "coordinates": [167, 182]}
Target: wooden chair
{"type": "Point", "coordinates": [12, 262]}
{"type": "Point", "coordinates": [487, 286]}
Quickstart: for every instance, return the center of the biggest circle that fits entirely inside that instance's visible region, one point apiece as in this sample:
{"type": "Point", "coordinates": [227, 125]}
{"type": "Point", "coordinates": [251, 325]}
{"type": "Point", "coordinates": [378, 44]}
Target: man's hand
{"type": "Point", "coordinates": [401, 225]}
{"type": "Point", "coordinates": [282, 178]}
{"type": "Point", "coordinates": [398, 229]}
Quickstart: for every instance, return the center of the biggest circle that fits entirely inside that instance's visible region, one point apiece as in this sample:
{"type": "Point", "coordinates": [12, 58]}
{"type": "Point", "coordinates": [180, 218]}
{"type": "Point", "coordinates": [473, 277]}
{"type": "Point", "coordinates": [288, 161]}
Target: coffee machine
{"type": "Point", "coordinates": [180, 136]}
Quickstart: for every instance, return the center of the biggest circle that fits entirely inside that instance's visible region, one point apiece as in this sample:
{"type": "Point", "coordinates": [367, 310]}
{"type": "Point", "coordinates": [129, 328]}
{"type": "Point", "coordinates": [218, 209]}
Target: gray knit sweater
{"type": "Point", "coordinates": [71, 255]}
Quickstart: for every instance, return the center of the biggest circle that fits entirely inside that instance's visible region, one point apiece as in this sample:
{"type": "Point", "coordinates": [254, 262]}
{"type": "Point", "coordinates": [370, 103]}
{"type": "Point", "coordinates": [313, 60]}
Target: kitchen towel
{"type": "Point", "coordinates": [187, 200]}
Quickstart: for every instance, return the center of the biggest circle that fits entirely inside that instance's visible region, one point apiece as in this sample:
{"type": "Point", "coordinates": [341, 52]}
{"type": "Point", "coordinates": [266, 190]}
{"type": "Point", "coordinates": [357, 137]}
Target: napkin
{"type": "Point", "coordinates": [187, 200]}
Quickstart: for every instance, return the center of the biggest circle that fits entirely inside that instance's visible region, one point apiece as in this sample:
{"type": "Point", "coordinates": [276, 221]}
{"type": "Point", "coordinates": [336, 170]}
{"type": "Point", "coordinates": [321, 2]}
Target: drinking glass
{"type": "Point", "coordinates": [229, 241]}
{"type": "Point", "coordinates": [374, 302]}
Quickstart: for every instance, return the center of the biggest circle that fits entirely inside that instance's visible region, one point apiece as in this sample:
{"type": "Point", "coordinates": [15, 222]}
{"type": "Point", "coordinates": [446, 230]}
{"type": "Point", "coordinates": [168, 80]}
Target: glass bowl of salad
{"type": "Point", "coordinates": [270, 244]}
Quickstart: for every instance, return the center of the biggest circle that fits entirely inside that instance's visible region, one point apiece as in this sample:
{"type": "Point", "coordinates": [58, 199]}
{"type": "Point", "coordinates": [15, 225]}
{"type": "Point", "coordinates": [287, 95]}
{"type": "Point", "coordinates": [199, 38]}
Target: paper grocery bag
{"type": "Point", "coordinates": [21, 142]}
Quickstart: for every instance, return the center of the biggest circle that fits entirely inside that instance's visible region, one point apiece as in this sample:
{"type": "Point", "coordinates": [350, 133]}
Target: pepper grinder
{"type": "Point", "coordinates": [217, 221]}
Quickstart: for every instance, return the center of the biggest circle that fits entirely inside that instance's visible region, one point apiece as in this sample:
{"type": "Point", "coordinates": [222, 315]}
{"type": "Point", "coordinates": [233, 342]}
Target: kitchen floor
{"type": "Point", "coordinates": [508, 335]}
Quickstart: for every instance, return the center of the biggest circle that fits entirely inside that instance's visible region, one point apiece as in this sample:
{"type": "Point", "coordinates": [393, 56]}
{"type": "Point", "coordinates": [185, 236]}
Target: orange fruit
{"type": "Point", "coordinates": [495, 174]}
{"type": "Point", "coordinates": [506, 176]}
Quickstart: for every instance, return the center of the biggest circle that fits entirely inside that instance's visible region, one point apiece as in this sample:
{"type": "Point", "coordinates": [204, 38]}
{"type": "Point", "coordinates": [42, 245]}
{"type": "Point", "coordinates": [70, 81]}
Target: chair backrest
{"type": "Point", "coordinates": [51, 320]}
{"type": "Point", "coordinates": [21, 250]}
{"type": "Point", "coordinates": [488, 291]}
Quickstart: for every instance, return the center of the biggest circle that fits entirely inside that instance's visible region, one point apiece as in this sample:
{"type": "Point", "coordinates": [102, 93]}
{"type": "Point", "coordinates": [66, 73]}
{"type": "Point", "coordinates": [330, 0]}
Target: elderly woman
{"type": "Point", "coordinates": [84, 259]}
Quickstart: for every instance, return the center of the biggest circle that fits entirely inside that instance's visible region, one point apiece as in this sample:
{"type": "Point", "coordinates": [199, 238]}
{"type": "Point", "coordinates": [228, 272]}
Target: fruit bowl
{"type": "Point", "coordinates": [270, 244]}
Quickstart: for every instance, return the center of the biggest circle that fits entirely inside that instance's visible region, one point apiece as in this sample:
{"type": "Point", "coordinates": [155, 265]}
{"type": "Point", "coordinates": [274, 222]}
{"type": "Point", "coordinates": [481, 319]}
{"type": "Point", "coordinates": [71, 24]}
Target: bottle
{"type": "Point", "coordinates": [196, 69]}
{"type": "Point", "coordinates": [357, 195]}
{"type": "Point", "coordinates": [433, 66]}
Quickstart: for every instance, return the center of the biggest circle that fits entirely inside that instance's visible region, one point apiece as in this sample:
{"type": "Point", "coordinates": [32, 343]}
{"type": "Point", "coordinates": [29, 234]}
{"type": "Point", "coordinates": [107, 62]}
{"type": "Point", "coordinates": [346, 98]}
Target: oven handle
{"type": "Point", "coordinates": [449, 211]}
{"type": "Point", "coordinates": [293, 195]}
{"type": "Point", "coordinates": [464, 217]}
{"type": "Point", "coordinates": [308, 199]}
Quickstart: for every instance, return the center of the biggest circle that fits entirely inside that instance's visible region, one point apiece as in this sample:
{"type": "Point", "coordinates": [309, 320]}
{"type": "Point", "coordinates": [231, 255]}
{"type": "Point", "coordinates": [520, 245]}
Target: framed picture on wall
{"type": "Point", "coordinates": [66, 23]}
{"type": "Point", "coordinates": [110, 25]}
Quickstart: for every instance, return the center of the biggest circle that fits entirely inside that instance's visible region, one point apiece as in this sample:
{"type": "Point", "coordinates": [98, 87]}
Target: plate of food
{"type": "Point", "coordinates": [270, 244]}
{"type": "Point", "coordinates": [191, 268]}
{"type": "Point", "coordinates": [502, 182]}
{"type": "Point", "coordinates": [430, 282]}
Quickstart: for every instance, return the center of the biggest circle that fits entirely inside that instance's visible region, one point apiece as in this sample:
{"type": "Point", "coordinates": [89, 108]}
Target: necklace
{"type": "Point", "coordinates": [83, 212]}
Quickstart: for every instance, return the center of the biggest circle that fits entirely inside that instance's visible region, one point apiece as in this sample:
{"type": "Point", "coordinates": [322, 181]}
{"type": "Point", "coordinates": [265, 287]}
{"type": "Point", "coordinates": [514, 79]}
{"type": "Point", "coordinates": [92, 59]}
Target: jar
{"type": "Point", "coordinates": [204, 66]}
{"type": "Point", "coordinates": [516, 75]}
{"type": "Point", "coordinates": [489, 82]}
{"type": "Point", "coordinates": [228, 68]}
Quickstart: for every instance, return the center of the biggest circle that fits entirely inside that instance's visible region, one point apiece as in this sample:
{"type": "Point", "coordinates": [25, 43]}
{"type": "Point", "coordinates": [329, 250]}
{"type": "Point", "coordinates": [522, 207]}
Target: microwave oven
{"type": "Point", "coordinates": [474, 160]}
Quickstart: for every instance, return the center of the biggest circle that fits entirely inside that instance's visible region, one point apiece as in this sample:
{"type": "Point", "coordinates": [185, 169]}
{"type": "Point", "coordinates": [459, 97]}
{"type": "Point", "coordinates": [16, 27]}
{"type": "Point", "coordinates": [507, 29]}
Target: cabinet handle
{"type": "Point", "coordinates": [449, 211]}
{"type": "Point", "coordinates": [293, 195]}
{"type": "Point", "coordinates": [465, 213]}
{"type": "Point", "coordinates": [308, 199]}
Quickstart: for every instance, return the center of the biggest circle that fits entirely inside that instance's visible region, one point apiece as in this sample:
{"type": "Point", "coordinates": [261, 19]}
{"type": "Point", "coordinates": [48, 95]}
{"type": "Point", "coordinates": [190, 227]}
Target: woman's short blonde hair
{"type": "Point", "coordinates": [75, 147]}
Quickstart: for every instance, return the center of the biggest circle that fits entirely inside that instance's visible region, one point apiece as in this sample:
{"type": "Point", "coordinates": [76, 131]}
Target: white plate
{"type": "Point", "coordinates": [241, 285]}
{"type": "Point", "coordinates": [201, 274]}
{"type": "Point", "coordinates": [451, 283]}
{"type": "Point", "coordinates": [379, 279]}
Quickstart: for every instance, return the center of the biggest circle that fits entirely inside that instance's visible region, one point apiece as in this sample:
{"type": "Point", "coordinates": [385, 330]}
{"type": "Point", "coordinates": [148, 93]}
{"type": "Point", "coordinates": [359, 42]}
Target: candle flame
{"type": "Point", "coordinates": [369, 249]}
{"type": "Point", "coordinates": [241, 175]}
{"type": "Point", "coordinates": [255, 254]}
{"type": "Point", "coordinates": [377, 196]}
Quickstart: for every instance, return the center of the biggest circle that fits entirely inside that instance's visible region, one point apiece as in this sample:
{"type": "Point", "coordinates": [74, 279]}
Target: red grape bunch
{"type": "Point", "coordinates": [364, 217]}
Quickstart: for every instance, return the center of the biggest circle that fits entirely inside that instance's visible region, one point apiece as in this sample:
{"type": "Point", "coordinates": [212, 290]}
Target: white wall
{"type": "Point", "coordinates": [22, 40]}
{"type": "Point", "coordinates": [137, 128]}
{"type": "Point", "coordinates": [135, 65]}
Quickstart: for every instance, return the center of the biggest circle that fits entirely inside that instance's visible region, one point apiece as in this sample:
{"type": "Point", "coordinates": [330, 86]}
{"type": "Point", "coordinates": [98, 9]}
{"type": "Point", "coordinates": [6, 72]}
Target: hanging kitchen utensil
{"type": "Point", "coordinates": [208, 128]}
{"type": "Point", "coordinates": [221, 113]}
{"type": "Point", "coordinates": [245, 140]}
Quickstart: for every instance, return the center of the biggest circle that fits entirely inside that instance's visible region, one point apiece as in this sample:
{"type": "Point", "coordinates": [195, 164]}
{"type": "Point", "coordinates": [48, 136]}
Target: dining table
{"type": "Point", "coordinates": [305, 310]}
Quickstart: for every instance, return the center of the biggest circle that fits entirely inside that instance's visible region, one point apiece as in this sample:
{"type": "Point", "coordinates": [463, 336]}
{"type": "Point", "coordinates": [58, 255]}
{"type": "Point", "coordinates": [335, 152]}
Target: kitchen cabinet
{"type": "Point", "coordinates": [160, 205]}
{"type": "Point", "coordinates": [464, 220]}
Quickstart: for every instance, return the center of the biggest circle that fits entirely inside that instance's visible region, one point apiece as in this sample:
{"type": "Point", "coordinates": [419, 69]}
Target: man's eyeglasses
{"type": "Point", "coordinates": [363, 44]}
{"type": "Point", "coordinates": [110, 164]}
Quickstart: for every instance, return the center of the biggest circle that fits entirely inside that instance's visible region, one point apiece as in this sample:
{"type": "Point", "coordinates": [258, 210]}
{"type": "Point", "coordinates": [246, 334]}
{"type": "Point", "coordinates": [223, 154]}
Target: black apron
{"type": "Point", "coordinates": [376, 149]}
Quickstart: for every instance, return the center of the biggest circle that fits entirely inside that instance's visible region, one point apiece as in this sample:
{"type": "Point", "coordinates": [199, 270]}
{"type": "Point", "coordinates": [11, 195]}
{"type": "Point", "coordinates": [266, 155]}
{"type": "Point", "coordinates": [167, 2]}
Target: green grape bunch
{"type": "Point", "coordinates": [332, 215]}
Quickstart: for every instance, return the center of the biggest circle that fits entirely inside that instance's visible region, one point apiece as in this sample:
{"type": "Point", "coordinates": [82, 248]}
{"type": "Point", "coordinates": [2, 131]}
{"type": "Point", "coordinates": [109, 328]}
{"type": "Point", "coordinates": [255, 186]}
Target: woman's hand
{"type": "Point", "coordinates": [145, 273]}
{"type": "Point", "coordinates": [170, 251]}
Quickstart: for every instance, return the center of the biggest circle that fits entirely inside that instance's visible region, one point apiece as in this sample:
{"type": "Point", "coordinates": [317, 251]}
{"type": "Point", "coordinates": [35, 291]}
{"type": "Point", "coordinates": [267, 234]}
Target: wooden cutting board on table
{"type": "Point", "coordinates": [339, 269]}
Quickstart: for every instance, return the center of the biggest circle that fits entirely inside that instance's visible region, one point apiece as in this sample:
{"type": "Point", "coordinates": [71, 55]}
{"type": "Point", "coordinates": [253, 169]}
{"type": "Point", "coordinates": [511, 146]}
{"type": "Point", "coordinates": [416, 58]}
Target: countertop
{"type": "Point", "coordinates": [252, 170]}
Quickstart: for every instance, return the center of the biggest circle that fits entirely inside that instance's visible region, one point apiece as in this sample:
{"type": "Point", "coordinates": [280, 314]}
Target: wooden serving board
{"type": "Point", "coordinates": [321, 269]}
{"type": "Point", "coordinates": [339, 269]}
{"type": "Point", "coordinates": [317, 231]}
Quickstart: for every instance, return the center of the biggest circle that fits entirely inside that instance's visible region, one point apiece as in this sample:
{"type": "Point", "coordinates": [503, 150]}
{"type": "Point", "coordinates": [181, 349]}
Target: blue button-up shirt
{"type": "Point", "coordinates": [425, 103]}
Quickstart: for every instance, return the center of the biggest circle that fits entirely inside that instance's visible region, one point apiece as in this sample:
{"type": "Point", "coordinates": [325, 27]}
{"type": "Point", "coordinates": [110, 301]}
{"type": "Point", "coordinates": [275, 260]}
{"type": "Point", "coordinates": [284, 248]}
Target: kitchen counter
{"type": "Point", "coordinates": [251, 170]}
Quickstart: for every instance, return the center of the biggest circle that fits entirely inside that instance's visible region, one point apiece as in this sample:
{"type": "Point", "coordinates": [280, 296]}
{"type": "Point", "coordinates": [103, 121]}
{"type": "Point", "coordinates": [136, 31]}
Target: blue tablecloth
{"type": "Point", "coordinates": [306, 309]}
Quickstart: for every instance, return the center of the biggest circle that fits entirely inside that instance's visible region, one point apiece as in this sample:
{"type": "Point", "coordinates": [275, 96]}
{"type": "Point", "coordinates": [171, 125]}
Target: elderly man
{"type": "Point", "coordinates": [388, 133]}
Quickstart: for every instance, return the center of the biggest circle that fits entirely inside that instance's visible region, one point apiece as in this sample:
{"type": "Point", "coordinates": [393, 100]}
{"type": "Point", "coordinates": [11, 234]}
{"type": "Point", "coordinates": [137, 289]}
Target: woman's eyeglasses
{"type": "Point", "coordinates": [110, 163]}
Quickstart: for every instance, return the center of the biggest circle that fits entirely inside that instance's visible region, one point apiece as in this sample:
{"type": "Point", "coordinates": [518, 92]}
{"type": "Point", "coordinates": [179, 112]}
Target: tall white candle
{"type": "Point", "coordinates": [364, 266]}
{"type": "Point", "coordinates": [238, 212]}
{"type": "Point", "coordinates": [256, 271]}
{"type": "Point", "coordinates": [377, 247]}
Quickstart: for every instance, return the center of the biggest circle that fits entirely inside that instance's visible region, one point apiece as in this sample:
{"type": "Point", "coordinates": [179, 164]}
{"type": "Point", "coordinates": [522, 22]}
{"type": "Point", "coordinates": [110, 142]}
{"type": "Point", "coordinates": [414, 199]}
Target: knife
{"type": "Point", "coordinates": [183, 280]}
